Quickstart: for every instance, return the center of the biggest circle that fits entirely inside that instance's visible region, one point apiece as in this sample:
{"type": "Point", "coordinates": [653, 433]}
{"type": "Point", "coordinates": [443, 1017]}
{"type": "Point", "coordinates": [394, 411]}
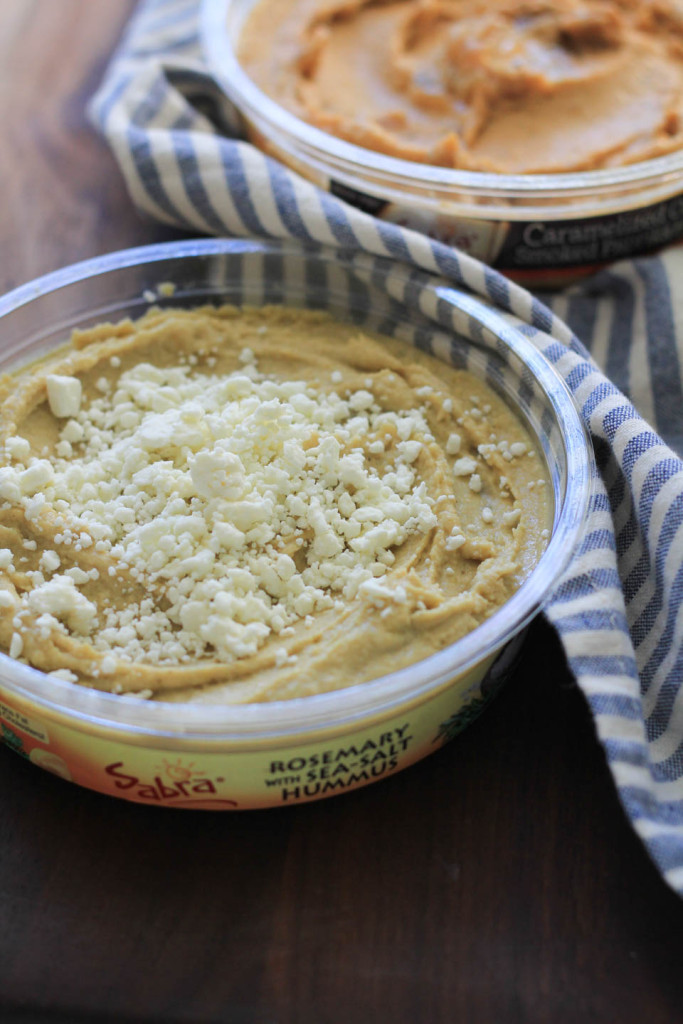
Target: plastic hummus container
{"type": "Point", "coordinates": [543, 229]}
{"type": "Point", "coordinates": [286, 752]}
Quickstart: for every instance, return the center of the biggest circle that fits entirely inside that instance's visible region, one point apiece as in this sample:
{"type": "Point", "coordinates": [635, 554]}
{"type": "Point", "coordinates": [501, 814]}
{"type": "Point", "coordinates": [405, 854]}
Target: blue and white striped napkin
{"type": "Point", "coordinates": [619, 608]}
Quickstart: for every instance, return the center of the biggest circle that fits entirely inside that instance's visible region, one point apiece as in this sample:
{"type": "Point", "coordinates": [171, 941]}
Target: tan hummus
{"type": "Point", "coordinates": [506, 86]}
{"type": "Point", "coordinates": [469, 461]}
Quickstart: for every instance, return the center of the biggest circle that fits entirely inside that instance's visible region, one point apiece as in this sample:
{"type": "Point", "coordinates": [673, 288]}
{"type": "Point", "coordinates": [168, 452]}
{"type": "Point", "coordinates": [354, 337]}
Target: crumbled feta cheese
{"type": "Point", "coordinates": [64, 395]}
{"type": "Point", "coordinates": [361, 400]}
{"type": "Point", "coordinates": [196, 487]}
{"type": "Point", "coordinates": [512, 517]}
{"type": "Point", "coordinates": [379, 594]}
{"type": "Point", "coordinates": [453, 444]}
{"type": "Point", "coordinates": [218, 473]}
{"type": "Point", "coordinates": [410, 450]}
{"type": "Point", "coordinates": [464, 467]}
{"type": "Point", "coordinates": [38, 476]}
{"type": "Point", "coordinates": [18, 448]}
{"type": "Point", "coordinates": [60, 598]}
{"type": "Point", "coordinates": [64, 674]}
{"type": "Point", "coordinates": [50, 561]}
{"type": "Point", "coordinates": [72, 432]}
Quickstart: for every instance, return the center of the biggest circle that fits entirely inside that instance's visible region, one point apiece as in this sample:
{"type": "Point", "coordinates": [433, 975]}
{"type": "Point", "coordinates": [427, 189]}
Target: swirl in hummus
{"type": "Point", "coordinates": [234, 505]}
{"type": "Point", "coordinates": [502, 86]}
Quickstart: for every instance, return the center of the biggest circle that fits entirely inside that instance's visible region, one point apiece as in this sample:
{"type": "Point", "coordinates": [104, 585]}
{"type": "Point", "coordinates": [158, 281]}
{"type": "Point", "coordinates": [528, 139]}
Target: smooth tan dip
{"type": "Point", "coordinates": [505, 86]}
{"type": "Point", "coordinates": [234, 505]}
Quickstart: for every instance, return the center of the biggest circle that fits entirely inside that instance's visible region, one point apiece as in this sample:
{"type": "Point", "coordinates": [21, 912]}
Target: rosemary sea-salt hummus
{"type": "Point", "coordinates": [230, 505]}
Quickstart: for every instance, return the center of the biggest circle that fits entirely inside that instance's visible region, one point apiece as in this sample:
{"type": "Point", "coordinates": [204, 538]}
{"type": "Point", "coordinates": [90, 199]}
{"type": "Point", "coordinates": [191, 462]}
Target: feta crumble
{"type": "Point", "coordinates": [240, 503]}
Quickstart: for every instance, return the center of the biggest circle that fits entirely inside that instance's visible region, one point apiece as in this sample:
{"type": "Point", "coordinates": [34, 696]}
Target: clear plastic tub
{"type": "Point", "coordinates": [281, 753]}
{"type": "Point", "coordinates": [538, 228]}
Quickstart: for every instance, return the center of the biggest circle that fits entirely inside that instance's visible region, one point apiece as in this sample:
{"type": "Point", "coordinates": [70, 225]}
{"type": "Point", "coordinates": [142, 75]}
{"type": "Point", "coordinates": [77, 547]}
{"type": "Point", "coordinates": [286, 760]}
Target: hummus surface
{"type": "Point", "coordinates": [502, 86]}
{"type": "Point", "coordinates": [254, 504]}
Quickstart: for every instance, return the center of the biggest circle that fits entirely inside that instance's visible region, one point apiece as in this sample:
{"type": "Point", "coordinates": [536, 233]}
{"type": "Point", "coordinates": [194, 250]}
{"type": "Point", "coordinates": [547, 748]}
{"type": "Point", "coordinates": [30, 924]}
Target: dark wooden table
{"type": "Point", "coordinates": [497, 881]}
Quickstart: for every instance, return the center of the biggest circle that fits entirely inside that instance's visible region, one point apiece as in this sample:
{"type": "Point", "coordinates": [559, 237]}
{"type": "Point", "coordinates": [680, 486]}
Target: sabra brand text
{"type": "Point", "coordinates": [183, 784]}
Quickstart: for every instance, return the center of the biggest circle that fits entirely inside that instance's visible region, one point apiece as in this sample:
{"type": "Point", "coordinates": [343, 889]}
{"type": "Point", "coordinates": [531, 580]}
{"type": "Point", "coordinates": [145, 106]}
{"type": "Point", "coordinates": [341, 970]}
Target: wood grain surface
{"type": "Point", "coordinates": [497, 881]}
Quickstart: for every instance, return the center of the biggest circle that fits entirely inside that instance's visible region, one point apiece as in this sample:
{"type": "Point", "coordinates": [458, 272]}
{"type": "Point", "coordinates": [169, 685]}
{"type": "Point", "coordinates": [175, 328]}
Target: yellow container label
{"type": "Point", "coordinates": [215, 775]}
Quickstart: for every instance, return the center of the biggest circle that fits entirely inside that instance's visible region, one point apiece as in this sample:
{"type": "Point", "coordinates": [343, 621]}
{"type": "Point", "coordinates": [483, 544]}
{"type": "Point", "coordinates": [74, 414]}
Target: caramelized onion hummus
{"type": "Point", "coordinates": [230, 505]}
{"type": "Point", "coordinates": [504, 86]}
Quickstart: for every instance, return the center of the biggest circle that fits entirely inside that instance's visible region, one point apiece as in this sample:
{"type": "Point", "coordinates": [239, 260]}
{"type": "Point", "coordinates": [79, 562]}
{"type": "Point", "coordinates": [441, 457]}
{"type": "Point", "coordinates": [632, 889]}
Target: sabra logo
{"type": "Point", "coordinates": [183, 784]}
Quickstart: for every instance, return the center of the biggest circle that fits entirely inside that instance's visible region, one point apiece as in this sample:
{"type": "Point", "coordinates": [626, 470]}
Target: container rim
{"type": "Point", "coordinates": [405, 174]}
{"type": "Point", "coordinates": [341, 707]}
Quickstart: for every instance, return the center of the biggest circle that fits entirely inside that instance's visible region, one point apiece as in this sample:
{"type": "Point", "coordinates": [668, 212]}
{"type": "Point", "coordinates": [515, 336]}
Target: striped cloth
{"type": "Point", "coordinates": [619, 608]}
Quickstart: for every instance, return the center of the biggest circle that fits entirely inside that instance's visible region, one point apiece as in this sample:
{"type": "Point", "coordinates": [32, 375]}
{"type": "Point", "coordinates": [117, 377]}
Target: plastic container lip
{"type": "Point", "coordinates": [341, 707]}
{"type": "Point", "coordinates": [397, 178]}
